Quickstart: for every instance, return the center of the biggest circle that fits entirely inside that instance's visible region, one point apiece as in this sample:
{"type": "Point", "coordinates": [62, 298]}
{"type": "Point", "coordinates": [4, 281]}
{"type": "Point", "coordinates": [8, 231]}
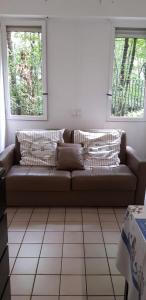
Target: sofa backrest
{"type": "Point", "coordinates": [69, 138]}
{"type": "Point", "coordinates": [122, 154]}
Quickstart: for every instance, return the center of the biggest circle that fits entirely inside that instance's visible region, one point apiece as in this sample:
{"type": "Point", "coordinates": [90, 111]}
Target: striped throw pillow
{"type": "Point", "coordinates": [101, 147]}
{"type": "Point", "coordinates": [38, 147]}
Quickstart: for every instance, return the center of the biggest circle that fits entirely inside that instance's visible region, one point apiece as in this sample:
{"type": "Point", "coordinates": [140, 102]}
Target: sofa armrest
{"type": "Point", "coordinates": [138, 167]}
{"type": "Point", "coordinates": [7, 158]}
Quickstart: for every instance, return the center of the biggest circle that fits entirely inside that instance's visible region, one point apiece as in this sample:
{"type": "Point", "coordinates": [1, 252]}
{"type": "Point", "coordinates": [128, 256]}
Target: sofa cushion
{"type": "Point", "coordinates": [67, 137]}
{"type": "Point", "coordinates": [122, 153]}
{"type": "Point", "coordinates": [104, 178]}
{"type": "Point", "coordinates": [38, 147]}
{"type": "Point", "coordinates": [25, 178]}
{"type": "Point", "coordinates": [70, 158]}
{"type": "Point", "coordinates": [101, 147]}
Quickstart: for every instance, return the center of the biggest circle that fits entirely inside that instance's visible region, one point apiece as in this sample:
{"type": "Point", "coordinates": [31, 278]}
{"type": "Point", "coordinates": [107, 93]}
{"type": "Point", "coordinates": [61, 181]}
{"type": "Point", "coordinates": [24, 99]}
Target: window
{"type": "Point", "coordinates": [129, 74]}
{"type": "Point", "coordinates": [26, 71]}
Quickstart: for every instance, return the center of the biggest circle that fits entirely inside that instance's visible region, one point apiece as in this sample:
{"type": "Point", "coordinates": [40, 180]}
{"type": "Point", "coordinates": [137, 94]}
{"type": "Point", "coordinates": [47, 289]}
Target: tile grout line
{"type": "Point", "coordinates": [10, 271]}
{"type": "Point", "coordinates": [118, 221]}
{"type": "Point", "coordinates": [84, 256]}
{"type": "Point", "coordinates": [21, 241]}
{"type": "Point", "coordinates": [62, 256]}
{"type": "Point", "coordinates": [106, 254]}
{"type": "Point", "coordinates": [12, 218]}
{"type": "Point", "coordinates": [120, 233]}
{"type": "Point", "coordinates": [39, 256]}
{"type": "Point", "coordinates": [44, 231]}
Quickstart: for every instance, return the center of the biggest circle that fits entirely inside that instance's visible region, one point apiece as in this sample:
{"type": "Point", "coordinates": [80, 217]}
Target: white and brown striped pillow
{"type": "Point", "coordinates": [101, 147]}
{"type": "Point", "coordinates": [38, 147]}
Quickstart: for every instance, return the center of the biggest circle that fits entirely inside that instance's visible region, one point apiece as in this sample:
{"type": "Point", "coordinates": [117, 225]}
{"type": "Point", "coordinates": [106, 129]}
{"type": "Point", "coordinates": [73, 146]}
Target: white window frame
{"type": "Point", "coordinates": [25, 22]}
{"type": "Point", "coordinates": [132, 24]}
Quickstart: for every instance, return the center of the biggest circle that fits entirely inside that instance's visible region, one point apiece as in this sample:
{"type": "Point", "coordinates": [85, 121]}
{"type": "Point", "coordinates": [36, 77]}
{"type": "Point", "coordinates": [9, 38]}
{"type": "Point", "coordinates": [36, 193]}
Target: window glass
{"type": "Point", "coordinates": [129, 74]}
{"type": "Point", "coordinates": [24, 48]}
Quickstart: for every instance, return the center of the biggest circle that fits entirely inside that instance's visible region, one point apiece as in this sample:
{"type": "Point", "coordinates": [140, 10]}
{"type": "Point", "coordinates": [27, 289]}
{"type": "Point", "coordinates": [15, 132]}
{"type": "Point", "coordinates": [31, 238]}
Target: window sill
{"type": "Point", "coordinates": [27, 118]}
{"type": "Point", "coordinates": [122, 119]}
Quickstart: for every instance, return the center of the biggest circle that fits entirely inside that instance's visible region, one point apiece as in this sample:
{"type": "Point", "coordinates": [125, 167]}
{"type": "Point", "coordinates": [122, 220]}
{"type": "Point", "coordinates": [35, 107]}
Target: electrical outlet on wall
{"type": "Point", "coordinates": [76, 113]}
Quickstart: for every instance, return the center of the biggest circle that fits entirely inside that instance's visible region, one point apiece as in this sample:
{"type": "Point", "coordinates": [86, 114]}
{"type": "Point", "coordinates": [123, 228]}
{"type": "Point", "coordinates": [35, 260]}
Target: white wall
{"type": "Point", "coordinates": [75, 8]}
{"type": "Point", "coordinates": [78, 64]}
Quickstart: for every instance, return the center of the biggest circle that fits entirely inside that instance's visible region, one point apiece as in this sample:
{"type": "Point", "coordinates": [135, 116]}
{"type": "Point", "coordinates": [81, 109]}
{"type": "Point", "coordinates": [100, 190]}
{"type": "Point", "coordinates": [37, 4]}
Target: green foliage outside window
{"type": "Point", "coordinates": [25, 73]}
{"type": "Point", "coordinates": [129, 77]}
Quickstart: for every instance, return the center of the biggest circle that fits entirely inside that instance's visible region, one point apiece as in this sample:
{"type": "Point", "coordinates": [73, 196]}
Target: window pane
{"type": "Point", "coordinates": [25, 72]}
{"type": "Point", "coordinates": [129, 77]}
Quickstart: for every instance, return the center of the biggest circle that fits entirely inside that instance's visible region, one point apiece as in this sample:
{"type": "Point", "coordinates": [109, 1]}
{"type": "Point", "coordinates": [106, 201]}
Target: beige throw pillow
{"type": "Point", "coordinates": [101, 147]}
{"type": "Point", "coordinates": [38, 147]}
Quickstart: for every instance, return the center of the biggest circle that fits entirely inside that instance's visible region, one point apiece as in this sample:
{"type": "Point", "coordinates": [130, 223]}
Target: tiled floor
{"type": "Point", "coordinates": [65, 253]}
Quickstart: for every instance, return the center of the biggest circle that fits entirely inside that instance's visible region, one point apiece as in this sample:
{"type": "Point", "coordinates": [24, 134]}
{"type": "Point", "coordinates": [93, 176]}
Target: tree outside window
{"type": "Point", "coordinates": [129, 74]}
{"type": "Point", "coordinates": [25, 71]}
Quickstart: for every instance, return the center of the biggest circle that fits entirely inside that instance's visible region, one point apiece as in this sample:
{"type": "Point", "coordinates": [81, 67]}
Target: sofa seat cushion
{"type": "Point", "coordinates": [25, 178]}
{"type": "Point", "coordinates": [104, 178]}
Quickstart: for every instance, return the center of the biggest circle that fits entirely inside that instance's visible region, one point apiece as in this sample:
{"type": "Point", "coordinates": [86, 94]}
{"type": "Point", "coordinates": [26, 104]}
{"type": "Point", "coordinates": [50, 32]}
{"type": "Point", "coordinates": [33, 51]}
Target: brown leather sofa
{"type": "Point", "coordinates": [103, 186]}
